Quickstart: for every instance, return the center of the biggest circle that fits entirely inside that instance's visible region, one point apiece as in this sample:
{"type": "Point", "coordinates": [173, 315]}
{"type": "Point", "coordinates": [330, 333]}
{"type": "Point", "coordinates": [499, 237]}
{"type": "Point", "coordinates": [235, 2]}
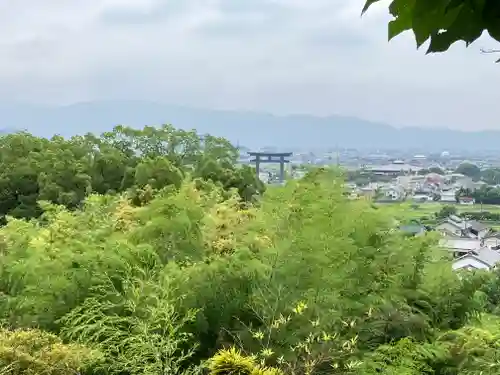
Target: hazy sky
{"type": "Point", "coordinates": [281, 56]}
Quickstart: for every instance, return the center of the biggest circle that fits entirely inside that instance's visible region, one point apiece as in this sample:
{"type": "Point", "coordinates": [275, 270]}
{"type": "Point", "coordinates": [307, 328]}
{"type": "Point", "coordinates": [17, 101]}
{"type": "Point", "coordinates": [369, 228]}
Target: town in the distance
{"type": "Point", "coordinates": [456, 195]}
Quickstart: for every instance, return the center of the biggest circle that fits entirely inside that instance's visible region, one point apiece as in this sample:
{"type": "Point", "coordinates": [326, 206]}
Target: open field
{"type": "Point", "coordinates": [425, 212]}
{"type": "Point", "coordinates": [429, 208]}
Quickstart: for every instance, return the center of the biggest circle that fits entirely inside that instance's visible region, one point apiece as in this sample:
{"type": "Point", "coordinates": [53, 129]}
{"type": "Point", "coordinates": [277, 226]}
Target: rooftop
{"type": "Point", "coordinates": [466, 244]}
{"type": "Point", "coordinates": [394, 167]}
{"type": "Point", "coordinates": [412, 228]}
{"type": "Point", "coordinates": [484, 255]}
{"type": "Point", "coordinates": [476, 225]}
{"type": "Point", "coordinates": [259, 153]}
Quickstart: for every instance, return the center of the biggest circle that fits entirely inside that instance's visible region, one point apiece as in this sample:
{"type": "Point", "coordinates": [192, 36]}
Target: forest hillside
{"type": "Point", "coordinates": [151, 252]}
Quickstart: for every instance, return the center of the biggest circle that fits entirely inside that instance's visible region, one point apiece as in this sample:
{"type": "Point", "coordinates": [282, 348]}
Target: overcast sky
{"type": "Point", "coordinates": [280, 56]}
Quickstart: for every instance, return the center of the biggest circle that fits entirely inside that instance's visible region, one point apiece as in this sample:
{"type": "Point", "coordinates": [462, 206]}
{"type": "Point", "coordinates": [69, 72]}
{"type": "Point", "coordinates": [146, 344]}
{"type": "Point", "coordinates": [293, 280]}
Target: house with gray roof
{"type": "Point", "coordinates": [454, 226]}
{"type": "Point", "coordinates": [459, 247]}
{"type": "Point", "coordinates": [477, 228]}
{"type": "Point", "coordinates": [483, 258]}
{"type": "Point", "coordinates": [413, 229]}
{"type": "Point", "coordinates": [492, 240]}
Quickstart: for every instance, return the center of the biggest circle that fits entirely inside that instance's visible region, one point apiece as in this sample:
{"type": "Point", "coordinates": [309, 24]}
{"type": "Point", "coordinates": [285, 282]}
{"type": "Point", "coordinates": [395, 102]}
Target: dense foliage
{"type": "Point", "coordinates": [481, 215]}
{"type": "Point", "coordinates": [190, 277]}
{"type": "Point", "coordinates": [446, 211]}
{"type": "Point", "coordinates": [491, 176]}
{"type": "Point", "coordinates": [361, 177]}
{"type": "Point", "coordinates": [469, 170]}
{"type": "Point", "coordinates": [443, 22]}
{"type": "Point", "coordinates": [426, 171]}
{"type": "Point", "coordinates": [65, 171]}
{"type": "Point", "coordinates": [484, 195]}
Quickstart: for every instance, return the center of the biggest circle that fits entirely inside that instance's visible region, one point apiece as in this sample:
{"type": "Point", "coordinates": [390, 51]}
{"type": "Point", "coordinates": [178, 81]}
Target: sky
{"type": "Point", "coordinates": [280, 56]}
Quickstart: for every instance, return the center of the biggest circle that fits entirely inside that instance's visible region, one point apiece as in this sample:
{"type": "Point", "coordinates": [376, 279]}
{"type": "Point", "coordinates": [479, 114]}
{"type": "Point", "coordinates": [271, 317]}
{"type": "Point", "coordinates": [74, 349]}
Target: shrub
{"type": "Point", "coordinates": [482, 215]}
{"type": "Point", "coordinates": [35, 352]}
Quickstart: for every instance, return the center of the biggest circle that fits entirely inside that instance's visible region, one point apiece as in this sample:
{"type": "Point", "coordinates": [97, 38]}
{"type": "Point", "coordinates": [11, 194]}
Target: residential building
{"type": "Point", "coordinates": [459, 247]}
{"type": "Point", "coordinates": [483, 258]}
{"type": "Point", "coordinates": [492, 240]}
{"type": "Point", "coordinates": [411, 183]}
{"type": "Point", "coordinates": [396, 168]}
{"type": "Point", "coordinates": [448, 196]}
{"type": "Point", "coordinates": [455, 226]}
{"type": "Point", "coordinates": [393, 192]}
{"type": "Point", "coordinates": [452, 226]}
{"type": "Point", "coordinates": [413, 229]}
{"type": "Point", "coordinates": [466, 200]}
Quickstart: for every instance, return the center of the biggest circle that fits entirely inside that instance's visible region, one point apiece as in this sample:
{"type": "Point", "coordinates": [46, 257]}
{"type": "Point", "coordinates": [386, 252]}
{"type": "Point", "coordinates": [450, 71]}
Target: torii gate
{"type": "Point", "coordinates": [271, 157]}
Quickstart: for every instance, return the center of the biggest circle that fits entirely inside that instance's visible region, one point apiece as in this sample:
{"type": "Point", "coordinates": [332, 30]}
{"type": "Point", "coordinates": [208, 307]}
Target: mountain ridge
{"type": "Point", "coordinates": [249, 128]}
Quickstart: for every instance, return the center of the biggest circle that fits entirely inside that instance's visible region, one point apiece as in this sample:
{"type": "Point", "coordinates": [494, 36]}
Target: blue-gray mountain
{"type": "Point", "coordinates": [251, 129]}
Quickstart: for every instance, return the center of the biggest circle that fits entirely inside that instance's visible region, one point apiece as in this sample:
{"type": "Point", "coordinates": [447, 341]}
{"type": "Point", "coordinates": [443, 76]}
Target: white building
{"type": "Point", "coordinates": [448, 196]}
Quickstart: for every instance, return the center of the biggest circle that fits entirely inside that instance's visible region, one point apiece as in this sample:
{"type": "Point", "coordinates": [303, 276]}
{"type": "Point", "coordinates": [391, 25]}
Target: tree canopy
{"type": "Point", "coordinates": [443, 22]}
{"type": "Point", "coordinates": [470, 170]}
{"type": "Point", "coordinates": [65, 171]}
{"type": "Point", "coordinates": [145, 258]}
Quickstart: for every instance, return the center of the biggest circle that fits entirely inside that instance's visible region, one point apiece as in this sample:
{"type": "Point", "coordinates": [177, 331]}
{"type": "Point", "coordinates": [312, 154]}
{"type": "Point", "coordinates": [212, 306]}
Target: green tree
{"type": "Point", "coordinates": [486, 195]}
{"type": "Point", "coordinates": [229, 176]}
{"type": "Point", "coordinates": [111, 165]}
{"type": "Point", "coordinates": [469, 170]}
{"type": "Point", "coordinates": [436, 170]}
{"type": "Point", "coordinates": [157, 172]}
{"type": "Point", "coordinates": [491, 176]}
{"type": "Point", "coordinates": [443, 22]}
{"type": "Point", "coordinates": [19, 188]}
{"type": "Point", "coordinates": [426, 171]}
{"type": "Point", "coordinates": [65, 171]}
{"type": "Point", "coordinates": [301, 280]}
{"type": "Point", "coordinates": [446, 211]}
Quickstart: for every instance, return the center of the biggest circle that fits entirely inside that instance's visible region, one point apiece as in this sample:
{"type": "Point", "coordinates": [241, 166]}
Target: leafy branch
{"type": "Point", "coordinates": [443, 22]}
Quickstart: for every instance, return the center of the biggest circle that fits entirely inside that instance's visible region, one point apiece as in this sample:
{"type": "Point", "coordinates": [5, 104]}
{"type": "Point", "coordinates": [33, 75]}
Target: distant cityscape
{"type": "Point", "coordinates": [399, 164]}
{"type": "Point", "coordinates": [446, 192]}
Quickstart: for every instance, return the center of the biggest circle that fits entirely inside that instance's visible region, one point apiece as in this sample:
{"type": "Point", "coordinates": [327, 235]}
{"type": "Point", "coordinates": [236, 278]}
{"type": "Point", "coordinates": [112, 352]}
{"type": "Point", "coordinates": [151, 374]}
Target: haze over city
{"type": "Point", "coordinates": [316, 57]}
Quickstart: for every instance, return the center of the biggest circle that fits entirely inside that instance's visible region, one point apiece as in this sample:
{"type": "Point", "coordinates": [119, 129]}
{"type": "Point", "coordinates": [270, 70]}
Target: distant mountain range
{"type": "Point", "coordinates": [251, 129]}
